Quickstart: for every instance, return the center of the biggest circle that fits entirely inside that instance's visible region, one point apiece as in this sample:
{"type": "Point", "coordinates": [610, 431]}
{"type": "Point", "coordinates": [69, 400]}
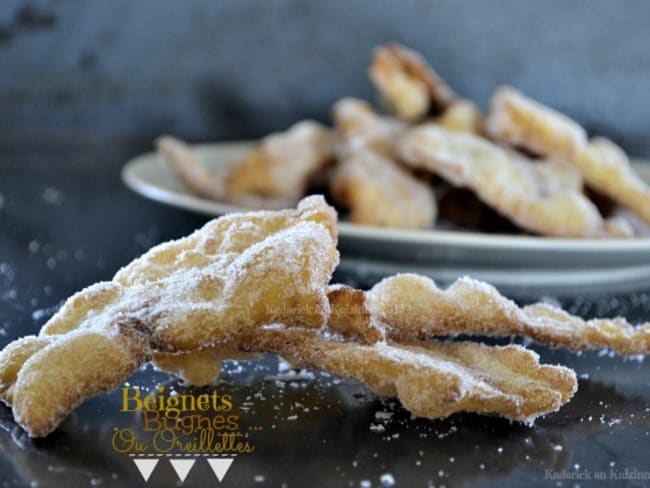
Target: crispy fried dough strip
{"type": "Point", "coordinates": [540, 196]}
{"type": "Point", "coordinates": [406, 83]}
{"type": "Point", "coordinates": [413, 306]}
{"type": "Point", "coordinates": [518, 120]}
{"type": "Point", "coordinates": [283, 164]}
{"type": "Point", "coordinates": [200, 367]}
{"type": "Point", "coordinates": [462, 116]}
{"type": "Point", "coordinates": [434, 379]}
{"type": "Point", "coordinates": [197, 179]}
{"type": "Point", "coordinates": [606, 168]}
{"type": "Point", "coordinates": [360, 129]}
{"type": "Point", "coordinates": [380, 193]}
{"type": "Point", "coordinates": [74, 367]}
{"type": "Point", "coordinates": [368, 182]}
{"type": "Point", "coordinates": [188, 169]}
{"type": "Point", "coordinates": [237, 272]}
{"type": "Point", "coordinates": [193, 291]}
{"type": "Point", "coordinates": [556, 327]}
{"type": "Point", "coordinates": [349, 316]}
{"type": "Point", "coordinates": [12, 359]}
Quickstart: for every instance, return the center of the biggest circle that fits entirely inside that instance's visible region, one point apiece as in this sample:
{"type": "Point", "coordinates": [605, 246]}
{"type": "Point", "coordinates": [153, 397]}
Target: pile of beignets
{"type": "Point", "coordinates": [436, 160]}
{"type": "Point", "coordinates": [259, 282]}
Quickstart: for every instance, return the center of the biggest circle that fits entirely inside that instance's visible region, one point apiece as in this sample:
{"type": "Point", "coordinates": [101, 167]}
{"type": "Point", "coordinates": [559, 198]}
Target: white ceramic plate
{"type": "Point", "coordinates": [505, 260]}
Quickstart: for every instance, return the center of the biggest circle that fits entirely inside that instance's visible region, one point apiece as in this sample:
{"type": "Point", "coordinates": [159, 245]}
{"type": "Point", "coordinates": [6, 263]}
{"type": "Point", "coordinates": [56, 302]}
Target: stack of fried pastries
{"type": "Point", "coordinates": [523, 161]}
{"type": "Point", "coordinates": [258, 282]}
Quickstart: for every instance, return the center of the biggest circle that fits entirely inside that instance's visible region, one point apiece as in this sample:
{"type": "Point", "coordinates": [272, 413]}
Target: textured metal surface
{"type": "Point", "coordinates": [240, 68]}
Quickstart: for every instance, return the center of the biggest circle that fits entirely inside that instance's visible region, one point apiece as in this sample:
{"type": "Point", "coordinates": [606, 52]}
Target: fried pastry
{"type": "Point", "coordinates": [407, 85]}
{"type": "Point", "coordinates": [237, 272]}
{"type": "Point", "coordinates": [462, 116]}
{"type": "Point", "coordinates": [412, 306]}
{"type": "Point", "coordinates": [283, 164]}
{"type": "Point", "coordinates": [543, 197]}
{"type": "Point", "coordinates": [520, 121]}
{"type": "Point", "coordinates": [198, 180]}
{"type": "Point", "coordinates": [200, 367]}
{"type": "Point", "coordinates": [378, 192]}
{"type": "Point", "coordinates": [52, 379]}
{"type": "Point", "coordinates": [349, 316]}
{"type": "Point", "coordinates": [360, 129]}
{"type": "Point", "coordinates": [433, 379]}
{"type": "Point", "coordinates": [606, 169]}
{"type": "Point", "coordinates": [188, 169]}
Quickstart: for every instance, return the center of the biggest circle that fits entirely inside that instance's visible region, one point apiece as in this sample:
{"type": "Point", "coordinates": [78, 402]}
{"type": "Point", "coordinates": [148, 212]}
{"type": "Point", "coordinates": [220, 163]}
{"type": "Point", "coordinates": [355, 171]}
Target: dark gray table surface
{"type": "Point", "coordinates": [67, 221]}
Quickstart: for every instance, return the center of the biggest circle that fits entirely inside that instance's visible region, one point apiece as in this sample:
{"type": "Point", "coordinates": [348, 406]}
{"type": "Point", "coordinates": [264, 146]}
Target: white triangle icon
{"type": "Point", "coordinates": [220, 467]}
{"type": "Point", "coordinates": [145, 466]}
{"type": "Point", "coordinates": [182, 467]}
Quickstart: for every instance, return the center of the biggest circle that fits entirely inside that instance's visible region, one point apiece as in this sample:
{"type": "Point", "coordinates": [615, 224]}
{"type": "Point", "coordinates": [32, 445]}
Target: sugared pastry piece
{"type": "Point", "coordinates": [360, 129]}
{"type": "Point", "coordinates": [606, 168]}
{"type": "Point", "coordinates": [197, 179]}
{"type": "Point", "coordinates": [407, 85]}
{"type": "Point", "coordinates": [283, 164]}
{"type": "Point", "coordinates": [236, 273]}
{"type": "Point", "coordinates": [349, 317]}
{"type": "Point", "coordinates": [543, 197]}
{"type": "Point", "coordinates": [412, 306]}
{"type": "Point", "coordinates": [462, 116]}
{"type": "Point", "coordinates": [379, 192]}
{"type": "Point", "coordinates": [522, 122]}
{"type": "Point", "coordinates": [433, 379]}
{"type": "Point", "coordinates": [516, 119]}
{"type": "Point", "coordinates": [191, 172]}
{"type": "Point", "coordinates": [200, 367]}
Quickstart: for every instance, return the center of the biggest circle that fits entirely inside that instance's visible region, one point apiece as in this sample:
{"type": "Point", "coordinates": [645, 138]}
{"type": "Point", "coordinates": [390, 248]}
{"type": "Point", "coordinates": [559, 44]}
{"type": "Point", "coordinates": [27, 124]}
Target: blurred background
{"type": "Point", "coordinates": [224, 69]}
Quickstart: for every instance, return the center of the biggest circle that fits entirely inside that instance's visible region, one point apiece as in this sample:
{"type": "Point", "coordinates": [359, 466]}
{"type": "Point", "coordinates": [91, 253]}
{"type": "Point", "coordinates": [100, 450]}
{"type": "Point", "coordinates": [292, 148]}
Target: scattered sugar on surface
{"type": "Point", "coordinates": [387, 480]}
{"type": "Point", "coordinates": [52, 196]}
{"type": "Point", "coordinates": [50, 262]}
{"type": "Point", "coordinates": [292, 375]}
{"type": "Point", "coordinates": [34, 246]}
{"type": "Point", "coordinates": [147, 238]}
{"type": "Point", "coordinates": [7, 277]}
{"type": "Point", "coordinates": [7, 274]}
{"type": "Point", "coordinates": [283, 366]}
{"type": "Point", "coordinates": [40, 314]}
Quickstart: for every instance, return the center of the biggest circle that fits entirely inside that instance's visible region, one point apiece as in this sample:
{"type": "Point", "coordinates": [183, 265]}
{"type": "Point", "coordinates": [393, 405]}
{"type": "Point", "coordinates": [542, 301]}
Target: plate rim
{"type": "Point", "coordinates": [466, 239]}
